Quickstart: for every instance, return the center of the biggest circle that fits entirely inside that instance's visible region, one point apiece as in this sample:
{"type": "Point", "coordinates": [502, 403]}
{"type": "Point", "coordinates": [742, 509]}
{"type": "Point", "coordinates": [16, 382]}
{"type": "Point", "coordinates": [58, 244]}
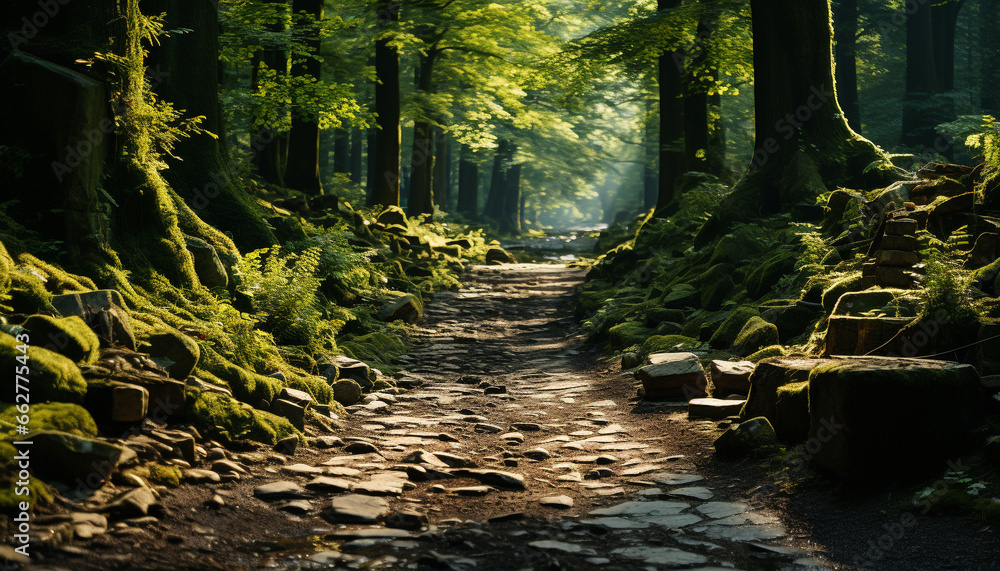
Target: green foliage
{"type": "Point", "coordinates": [946, 284]}
{"type": "Point", "coordinates": [219, 416]}
{"type": "Point", "coordinates": [283, 289]}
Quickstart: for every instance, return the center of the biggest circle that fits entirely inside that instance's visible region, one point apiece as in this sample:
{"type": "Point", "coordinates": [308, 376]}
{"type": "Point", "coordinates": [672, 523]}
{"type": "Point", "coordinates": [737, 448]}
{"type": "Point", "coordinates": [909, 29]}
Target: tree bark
{"type": "Point", "coordinates": [272, 147]}
{"type": "Point", "coordinates": [671, 120]}
{"type": "Point", "coordinates": [468, 185]}
{"type": "Point", "coordinates": [845, 33]}
{"type": "Point", "coordinates": [206, 179]}
{"type": "Point", "coordinates": [442, 170]}
{"type": "Point", "coordinates": [696, 105]}
{"type": "Point", "coordinates": [421, 198]}
{"type": "Point", "coordinates": [989, 94]}
{"type": "Point", "coordinates": [302, 172]}
{"type": "Point", "coordinates": [357, 164]}
{"type": "Point", "coordinates": [498, 181]}
{"type": "Point", "coordinates": [510, 221]}
{"type": "Point", "coordinates": [919, 107]}
{"type": "Point", "coordinates": [342, 150]}
{"type": "Point", "coordinates": [945, 20]}
{"type": "Point", "coordinates": [385, 178]}
{"type": "Point", "coordinates": [804, 146]}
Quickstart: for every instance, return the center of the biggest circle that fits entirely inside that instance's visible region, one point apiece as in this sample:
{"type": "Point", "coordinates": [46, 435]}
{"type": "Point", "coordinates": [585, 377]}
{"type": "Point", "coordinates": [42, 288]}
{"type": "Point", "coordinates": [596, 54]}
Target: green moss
{"type": "Point", "coordinates": [766, 352]}
{"type": "Point", "coordinates": [832, 293]}
{"type": "Point", "coordinates": [889, 302]}
{"type": "Point", "coordinates": [628, 333]}
{"type": "Point", "coordinates": [68, 336]}
{"type": "Point", "coordinates": [377, 349]}
{"type": "Point", "coordinates": [247, 386]}
{"type": "Point", "coordinates": [318, 387]}
{"type": "Point", "coordinates": [716, 284]}
{"type": "Point", "coordinates": [755, 335]}
{"type": "Point", "coordinates": [28, 294]}
{"type": "Point", "coordinates": [165, 475]}
{"type": "Point", "coordinates": [40, 493]}
{"type": "Point", "coordinates": [64, 417]}
{"type": "Point", "coordinates": [766, 275]}
{"type": "Point", "coordinates": [730, 329]}
{"type": "Point", "coordinates": [665, 343]}
{"type": "Point", "coordinates": [657, 315]}
{"type": "Point", "coordinates": [743, 244]}
{"type": "Point", "coordinates": [220, 416]}
{"type": "Point", "coordinates": [52, 376]}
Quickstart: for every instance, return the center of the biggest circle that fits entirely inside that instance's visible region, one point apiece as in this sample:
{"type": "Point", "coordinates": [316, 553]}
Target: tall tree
{"type": "Point", "coordinates": [302, 172]}
{"type": "Point", "coordinates": [388, 138]}
{"type": "Point", "coordinates": [989, 95]}
{"type": "Point", "coordinates": [846, 17]}
{"type": "Point", "coordinates": [421, 200]}
{"type": "Point", "coordinates": [671, 119]}
{"type": "Point", "coordinates": [468, 184]}
{"type": "Point", "coordinates": [804, 145]}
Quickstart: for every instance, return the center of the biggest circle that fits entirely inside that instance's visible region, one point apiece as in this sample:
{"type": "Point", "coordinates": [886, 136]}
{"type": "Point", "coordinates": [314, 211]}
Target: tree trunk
{"type": "Point", "coordinates": [671, 120]}
{"type": "Point", "coordinates": [696, 105]}
{"type": "Point", "coordinates": [717, 138]}
{"type": "Point", "coordinates": [510, 221]}
{"type": "Point", "coordinates": [205, 179]}
{"type": "Point", "coordinates": [498, 181]}
{"type": "Point", "coordinates": [468, 185]}
{"type": "Point", "coordinates": [651, 155]}
{"type": "Point", "coordinates": [385, 178]}
{"type": "Point", "coordinates": [919, 106]}
{"type": "Point", "coordinates": [989, 94]}
{"type": "Point", "coordinates": [357, 164]}
{"type": "Point", "coordinates": [442, 170]}
{"type": "Point", "coordinates": [302, 172]}
{"type": "Point", "coordinates": [272, 147]}
{"type": "Point", "coordinates": [845, 34]}
{"type": "Point", "coordinates": [945, 20]}
{"type": "Point", "coordinates": [804, 145]}
{"type": "Point", "coordinates": [342, 150]}
{"type": "Point", "coordinates": [421, 199]}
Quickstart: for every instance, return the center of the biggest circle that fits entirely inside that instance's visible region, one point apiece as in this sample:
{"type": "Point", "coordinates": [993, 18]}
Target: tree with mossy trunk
{"type": "Point", "coordinates": [302, 172]}
{"type": "Point", "coordinates": [804, 146]}
{"type": "Point", "coordinates": [388, 138]}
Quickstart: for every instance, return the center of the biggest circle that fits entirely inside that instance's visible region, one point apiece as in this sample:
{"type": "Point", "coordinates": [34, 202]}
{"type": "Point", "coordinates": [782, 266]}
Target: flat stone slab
{"type": "Point", "coordinates": [616, 523]}
{"type": "Point", "coordinates": [643, 508]}
{"type": "Point", "coordinates": [552, 545]}
{"type": "Point", "coordinates": [716, 510]}
{"type": "Point", "coordinates": [328, 484]}
{"type": "Point", "coordinates": [562, 502]}
{"type": "Point", "coordinates": [668, 556]}
{"type": "Point", "coordinates": [671, 479]}
{"type": "Point", "coordinates": [280, 491]}
{"type": "Point", "coordinates": [715, 409]}
{"type": "Point", "coordinates": [497, 478]}
{"type": "Point", "coordinates": [695, 492]}
{"type": "Point", "coordinates": [672, 521]}
{"type": "Point", "coordinates": [355, 508]}
{"type": "Point", "coordinates": [371, 533]}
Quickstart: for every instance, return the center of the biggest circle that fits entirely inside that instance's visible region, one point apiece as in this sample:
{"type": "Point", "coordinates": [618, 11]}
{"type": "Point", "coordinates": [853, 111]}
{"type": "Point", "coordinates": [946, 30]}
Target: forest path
{"type": "Point", "coordinates": [500, 379]}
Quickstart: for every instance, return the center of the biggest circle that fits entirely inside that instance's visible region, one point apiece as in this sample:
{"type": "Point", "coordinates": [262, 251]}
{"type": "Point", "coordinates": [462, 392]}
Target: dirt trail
{"type": "Point", "coordinates": [544, 460]}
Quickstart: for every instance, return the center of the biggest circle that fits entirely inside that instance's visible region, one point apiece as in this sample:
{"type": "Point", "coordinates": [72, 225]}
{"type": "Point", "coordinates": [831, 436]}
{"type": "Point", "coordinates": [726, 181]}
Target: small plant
{"type": "Point", "coordinates": [947, 284]}
{"type": "Point", "coordinates": [283, 289]}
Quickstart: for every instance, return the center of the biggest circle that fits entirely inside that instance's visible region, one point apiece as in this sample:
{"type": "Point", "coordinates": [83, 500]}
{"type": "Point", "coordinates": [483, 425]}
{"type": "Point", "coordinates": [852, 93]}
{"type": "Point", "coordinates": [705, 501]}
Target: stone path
{"type": "Point", "coordinates": [512, 447]}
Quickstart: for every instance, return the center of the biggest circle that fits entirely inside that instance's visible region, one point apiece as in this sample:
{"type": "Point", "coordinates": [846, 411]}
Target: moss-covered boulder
{"type": "Point", "coordinates": [879, 418]}
{"type": "Point", "coordinates": [174, 351]}
{"type": "Point", "coordinates": [730, 329]}
{"type": "Point", "coordinates": [104, 313]}
{"type": "Point", "coordinates": [497, 255]}
{"type": "Point", "coordinates": [208, 266]}
{"type": "Point", "coordinates": [668, 343]}
{"type": "Point", "coordinates": [737, 248]}
{"type": "Point", "coordinates": [58, 416]}
{"type": "Point", "coordinates": [766, 353]}
{"type": "Point", "coordinates": [755, 335]}
{"type": "Point", "coordinates": [680, 296]}
{"type": "Point", "coordinates": [673, 376]}
{"type": "Point", "coordinates": [68, 336]}
{"type": "Point", "coordinates": [831, 294]}
{"type": "Point", "coordinates": [768, 273]}
{"type": "Point", "coordinates": [628, 334]}
{"type": "Point", "coordinates": [791, 318]}
{"type": "Point", "coordinates": [53, 377]}
{"type": "Point", "coordinates": [347, 392]}
{"type": "Point", "coordinates": [392, 215]}
{"type": "Point", "coordinates": [657, 315]}
{"type": "Point", "coordinates": [755, 436]}
{"type": "Point", "coordinates": [219, 416]}
{"type": "Point", "coordinates": [770, 375]}
{"type": "Point", "coordinates": [402, 307]}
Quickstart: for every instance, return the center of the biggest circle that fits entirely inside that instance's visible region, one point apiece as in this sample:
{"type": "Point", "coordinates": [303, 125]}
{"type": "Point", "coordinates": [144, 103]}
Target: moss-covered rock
{"type": "Point", "coordinates": [766, 353]}
{"type": "Point", "coordinates": [628, 334]}
{"type": "Point", "coordinates": [832, 293]}
{"type": "Point", "coordinates": [680, 296]}
{"type": "Point", "coordinates": [656, 315]}
{"type": "Point", "coordinates": [716, 285]}
{"type": "Point", "coordinates": [880, 418]}
{"type": "Point", "coordinates": [219, 416]}
{"type": "Point", "coordinates": [755, 436]}
{"type": "Point", "coordinates": [792, 320]}
{"type": "Point", "coordinates": [174, 351]}
{"type": "Point", "coordinates": [52, 376]}
{"type": "Point", "coordinates": [737, 248]}
{"type": "Point", "coordinates": [730, 329]}
{"type": "Point", "coordinates": [765, 276]}
{"type": "Point", "coordinates": [889, 302]}
{"type": "Point", "coordinates": [755, 335]}
{"type": "Point", "coordinates": [668, 343]}
{"type": "Point", "coordinates": [59, 416]}
{"type": "Point", "coordinates": [402, 307]}
{"type": "Point", "coordinates": [68, 336]}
